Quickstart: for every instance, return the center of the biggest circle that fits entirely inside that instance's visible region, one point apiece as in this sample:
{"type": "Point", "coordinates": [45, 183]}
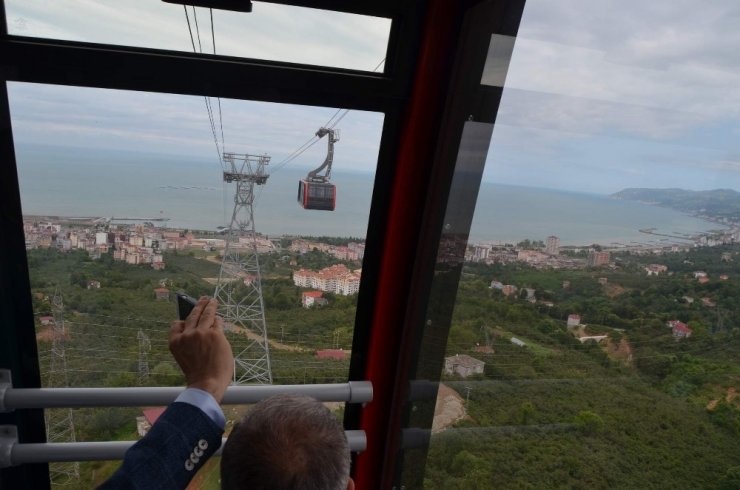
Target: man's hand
{"type": "Point", "coordinates": [200, 348]}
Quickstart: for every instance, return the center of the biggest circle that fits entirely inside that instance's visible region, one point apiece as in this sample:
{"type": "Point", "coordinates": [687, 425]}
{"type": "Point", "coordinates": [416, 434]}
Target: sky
{"type": "Point", "coordinates": [599, 95]}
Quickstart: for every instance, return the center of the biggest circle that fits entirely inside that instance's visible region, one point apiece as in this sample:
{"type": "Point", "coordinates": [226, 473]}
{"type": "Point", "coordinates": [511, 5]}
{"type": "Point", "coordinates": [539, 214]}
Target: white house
{"type": "Point", "coordinates": [463, 365]}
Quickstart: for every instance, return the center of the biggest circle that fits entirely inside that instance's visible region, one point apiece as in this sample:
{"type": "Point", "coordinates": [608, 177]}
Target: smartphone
{"type": "Point", "coordinates": [185, 305]}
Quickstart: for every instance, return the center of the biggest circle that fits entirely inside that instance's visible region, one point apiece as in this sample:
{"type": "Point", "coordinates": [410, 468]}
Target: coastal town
{"type": "Point", "coordinates": [145, 243]}
{"type": "Point", "coordinates": [528, 313]}
{"type": "Point", "coordinates": [551, 254]}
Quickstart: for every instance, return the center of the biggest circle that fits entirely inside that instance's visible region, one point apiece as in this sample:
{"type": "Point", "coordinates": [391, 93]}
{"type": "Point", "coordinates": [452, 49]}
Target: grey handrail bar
{"type": "Point", "coordinates": [20, 398]}
{"type": "Point", "coordinates": [13, 453]}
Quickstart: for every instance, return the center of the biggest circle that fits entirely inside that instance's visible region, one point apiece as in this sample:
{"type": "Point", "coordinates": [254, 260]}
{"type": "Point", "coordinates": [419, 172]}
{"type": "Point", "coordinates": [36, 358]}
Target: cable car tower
{"type": "Point", "coordinates": [239, 288]}
{"type": "Point", "coordinates": [60, 427]}
{"type": "Point", "coordinates": [315, 191]}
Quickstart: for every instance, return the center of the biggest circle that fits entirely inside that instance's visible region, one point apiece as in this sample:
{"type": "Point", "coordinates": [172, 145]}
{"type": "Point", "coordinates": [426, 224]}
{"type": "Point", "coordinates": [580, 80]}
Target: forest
{"type": "Point", "coordinates": [637, 410]}
{"type": "Point", "coordinates": [102, 326]}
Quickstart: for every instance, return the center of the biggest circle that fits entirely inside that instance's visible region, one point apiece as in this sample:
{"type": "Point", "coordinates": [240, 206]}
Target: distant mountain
{"type": "Point", "coordinates": [719, 203]}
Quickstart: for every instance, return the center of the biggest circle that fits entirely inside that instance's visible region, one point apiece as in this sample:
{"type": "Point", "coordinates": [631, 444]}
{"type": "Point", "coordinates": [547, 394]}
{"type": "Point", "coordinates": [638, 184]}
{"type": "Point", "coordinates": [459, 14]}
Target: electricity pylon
{"type": "Point", "coordinates": [239, 288]}
{"type": "Point", "coordinates": [59, 422]}
{"type": "Point", "coordinates": [144, 347]}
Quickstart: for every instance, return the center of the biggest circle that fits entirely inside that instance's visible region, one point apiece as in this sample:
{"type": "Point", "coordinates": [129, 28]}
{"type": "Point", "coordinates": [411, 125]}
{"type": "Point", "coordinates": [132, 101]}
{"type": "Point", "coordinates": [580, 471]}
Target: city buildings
{"type": "Point", "coordinates": [337, 279]}
{"type": "Point", "coordinates": [353, 251]}
{"type": "Point", "coordinates": [655, 269]}
{"type": "Point", "coordinates": [597, 259]}
{"type": "Point", "coordinates": [553, 245]}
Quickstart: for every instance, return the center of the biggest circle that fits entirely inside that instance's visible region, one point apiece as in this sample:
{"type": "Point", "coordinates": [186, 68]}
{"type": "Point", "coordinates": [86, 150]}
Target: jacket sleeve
{"type": "Point", "coordinates": [174, 449]}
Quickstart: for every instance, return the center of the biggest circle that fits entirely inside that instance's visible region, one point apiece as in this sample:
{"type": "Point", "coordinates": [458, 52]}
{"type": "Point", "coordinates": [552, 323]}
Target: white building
{"type": "Point", "coordinates": [463, 365]}
{"type": "Point", "coordinates": [337, 279]}
{"type": "Point", "coordinates": [573, 320]}
{"type": "Point", "coordinates": [518, 342]}
{"type": "Point", "coordinates": [553, 245]}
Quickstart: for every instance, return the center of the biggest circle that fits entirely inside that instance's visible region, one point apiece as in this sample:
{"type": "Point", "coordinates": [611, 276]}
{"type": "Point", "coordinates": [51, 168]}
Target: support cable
{"type": "Point", "coordinates": [205, 99]}
{"type": "Point", "coordinates": [187, 18]}
{"type": "Point", "coordinates": [331, 123]}
{"type": "Point", "coordinates": [197, 30]}
{"type": "Point", "coordinates": [220, 118]}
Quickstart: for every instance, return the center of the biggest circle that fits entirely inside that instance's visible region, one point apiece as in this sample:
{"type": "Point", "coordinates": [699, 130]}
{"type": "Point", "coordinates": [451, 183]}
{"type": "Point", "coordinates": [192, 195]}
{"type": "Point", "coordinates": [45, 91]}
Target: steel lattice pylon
{"type": "Point", "coordinates": [239, 288]}
{"type": "Point", "coordinates": [144, 347]}
{"type": "Point", "coordinates": [59, 422]}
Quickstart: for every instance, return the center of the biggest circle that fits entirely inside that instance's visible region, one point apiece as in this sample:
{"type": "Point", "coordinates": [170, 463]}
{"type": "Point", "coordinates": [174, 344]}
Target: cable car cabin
{"type": "Point", "coordinates": [317, 195]}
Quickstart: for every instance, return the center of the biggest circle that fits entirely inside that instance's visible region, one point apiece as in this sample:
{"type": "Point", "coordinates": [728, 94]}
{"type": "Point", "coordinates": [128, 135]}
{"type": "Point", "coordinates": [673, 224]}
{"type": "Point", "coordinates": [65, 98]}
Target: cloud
{"type": "Point", "coordinates": [179, 125]}
{"type": "Point", "coordinates": [668, 69]}
{"type": "Point", "coordinates": [271, 31]}
{"type": "Point", "coordinates": [597, 95]}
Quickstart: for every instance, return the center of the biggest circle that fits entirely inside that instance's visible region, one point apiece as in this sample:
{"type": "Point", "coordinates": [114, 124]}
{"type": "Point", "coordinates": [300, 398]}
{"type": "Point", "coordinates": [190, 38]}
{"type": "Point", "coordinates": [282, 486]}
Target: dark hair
{"type": "Point", "coordinates": [286, 442]}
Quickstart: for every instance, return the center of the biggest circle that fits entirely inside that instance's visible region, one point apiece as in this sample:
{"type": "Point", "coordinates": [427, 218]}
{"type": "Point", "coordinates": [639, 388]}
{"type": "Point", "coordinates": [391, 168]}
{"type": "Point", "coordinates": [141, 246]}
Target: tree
{"type": "Point", "coordinates": [526, 410]}
{"type": "Point", "coordinates": [731, 479]}
{"type": "Point", "coordinates": [589, 422]}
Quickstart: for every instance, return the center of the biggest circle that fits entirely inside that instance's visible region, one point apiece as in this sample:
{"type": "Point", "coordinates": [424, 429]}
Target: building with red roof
{"type": "Point", "coordinates": [312, 298]}
{"type": "Point", "coordinates": [680, 329]}
{"type": "Point", "coordinates": [335, 354]}
{"type": "Point", "coordinates": [145, 422]}
{"type": "Point", "coordinates": [162, 294]}
{"type": "Point", "coordinates": [574, 320]}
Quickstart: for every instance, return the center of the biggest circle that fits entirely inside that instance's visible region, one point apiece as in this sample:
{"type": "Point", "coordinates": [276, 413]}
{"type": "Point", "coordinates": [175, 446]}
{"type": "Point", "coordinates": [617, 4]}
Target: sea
{"type": "Point", "coordinates": [74, 182]}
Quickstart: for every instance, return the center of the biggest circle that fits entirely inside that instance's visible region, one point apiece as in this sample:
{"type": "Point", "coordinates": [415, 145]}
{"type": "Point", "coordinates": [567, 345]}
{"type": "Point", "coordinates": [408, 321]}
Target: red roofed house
{"type": "Point", "coordinates": [162, 294]}
{"type": "Point", "coordinates": [46, 320]}
{"type": "Point", "coordinates": [655, 269]}
{"type": "Point", "coordinates": [680, 329]}
{"type": "Point", "coordinates": [574, 320]}
{"type": "Point", "coordinates": [143, 424]}
{"type": "Point", "coordinates": [336, 354]}
{"type": "Point", "coordinates": [311, 298]}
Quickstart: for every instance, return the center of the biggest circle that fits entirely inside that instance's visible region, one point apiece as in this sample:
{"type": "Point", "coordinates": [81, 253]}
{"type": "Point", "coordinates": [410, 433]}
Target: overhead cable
{"type": "Point", "coordinates": [205, 99]}
{"type": "Point", "coordinates": [331, 123]}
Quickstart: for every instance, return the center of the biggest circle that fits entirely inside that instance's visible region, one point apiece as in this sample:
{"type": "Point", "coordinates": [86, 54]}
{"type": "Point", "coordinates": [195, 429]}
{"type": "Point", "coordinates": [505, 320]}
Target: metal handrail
{"type": "Point", "coordinates": [20, 398]}
{"type": "Point", "coordinates": [12, 453]}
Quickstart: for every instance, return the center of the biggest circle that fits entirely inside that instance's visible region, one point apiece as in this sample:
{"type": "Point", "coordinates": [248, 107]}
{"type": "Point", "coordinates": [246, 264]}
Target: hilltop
{"type": "Point", "coordinates": [720, 203]}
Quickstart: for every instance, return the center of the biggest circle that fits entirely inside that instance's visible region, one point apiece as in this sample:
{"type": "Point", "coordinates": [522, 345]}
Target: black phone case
{"type": "Point", "coordinates": [185, 305]}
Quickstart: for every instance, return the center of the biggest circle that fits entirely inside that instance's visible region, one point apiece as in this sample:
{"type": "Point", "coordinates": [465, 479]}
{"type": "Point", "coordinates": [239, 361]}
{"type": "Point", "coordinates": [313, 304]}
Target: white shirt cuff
{"type": "Point", "coordinates": [205, 402]}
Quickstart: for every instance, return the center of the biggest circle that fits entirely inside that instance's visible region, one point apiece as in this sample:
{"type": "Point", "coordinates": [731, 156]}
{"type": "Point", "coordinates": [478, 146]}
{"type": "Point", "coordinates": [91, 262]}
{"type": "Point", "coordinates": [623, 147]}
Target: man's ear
{"type": "Point", "coordinates": [351, 484]}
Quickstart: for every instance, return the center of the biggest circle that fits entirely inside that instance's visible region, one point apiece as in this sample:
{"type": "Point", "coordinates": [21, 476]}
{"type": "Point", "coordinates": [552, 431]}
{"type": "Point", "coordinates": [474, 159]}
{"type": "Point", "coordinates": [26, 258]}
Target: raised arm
{"type": "Point", "coordinates": [190, 430]}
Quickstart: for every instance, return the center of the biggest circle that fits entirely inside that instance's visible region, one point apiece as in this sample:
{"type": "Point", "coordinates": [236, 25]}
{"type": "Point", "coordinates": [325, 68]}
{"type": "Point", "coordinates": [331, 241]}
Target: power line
{"type": "Point", "coordinates": [220, 118]}
{"type": "Point", "coordinates": [187, 18]}
{"type": "Point", "coordinates": [205, 99]}
{"type": "Point", "coordinates": [197, 30]}
{"type": "Point", "coordinates": [313, 140]}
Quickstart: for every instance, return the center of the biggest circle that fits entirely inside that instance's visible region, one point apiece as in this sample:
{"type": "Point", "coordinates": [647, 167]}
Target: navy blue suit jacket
{"type": "Point", "coordinates": [174, 449]}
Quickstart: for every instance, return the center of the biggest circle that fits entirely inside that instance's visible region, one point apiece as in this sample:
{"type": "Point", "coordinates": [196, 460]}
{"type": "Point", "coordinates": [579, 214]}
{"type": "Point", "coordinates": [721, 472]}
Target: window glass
{"type": "Point", "coordinates": [593, 342]}
{"type": "Point", "coordinates": [270, 31]}
{"type": "Point", "coordinates": [125, 202]}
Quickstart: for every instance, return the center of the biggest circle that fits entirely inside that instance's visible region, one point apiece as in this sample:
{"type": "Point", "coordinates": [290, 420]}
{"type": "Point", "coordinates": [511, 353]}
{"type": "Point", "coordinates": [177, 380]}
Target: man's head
{"type": "Point", "coordinates": [287, 442]}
